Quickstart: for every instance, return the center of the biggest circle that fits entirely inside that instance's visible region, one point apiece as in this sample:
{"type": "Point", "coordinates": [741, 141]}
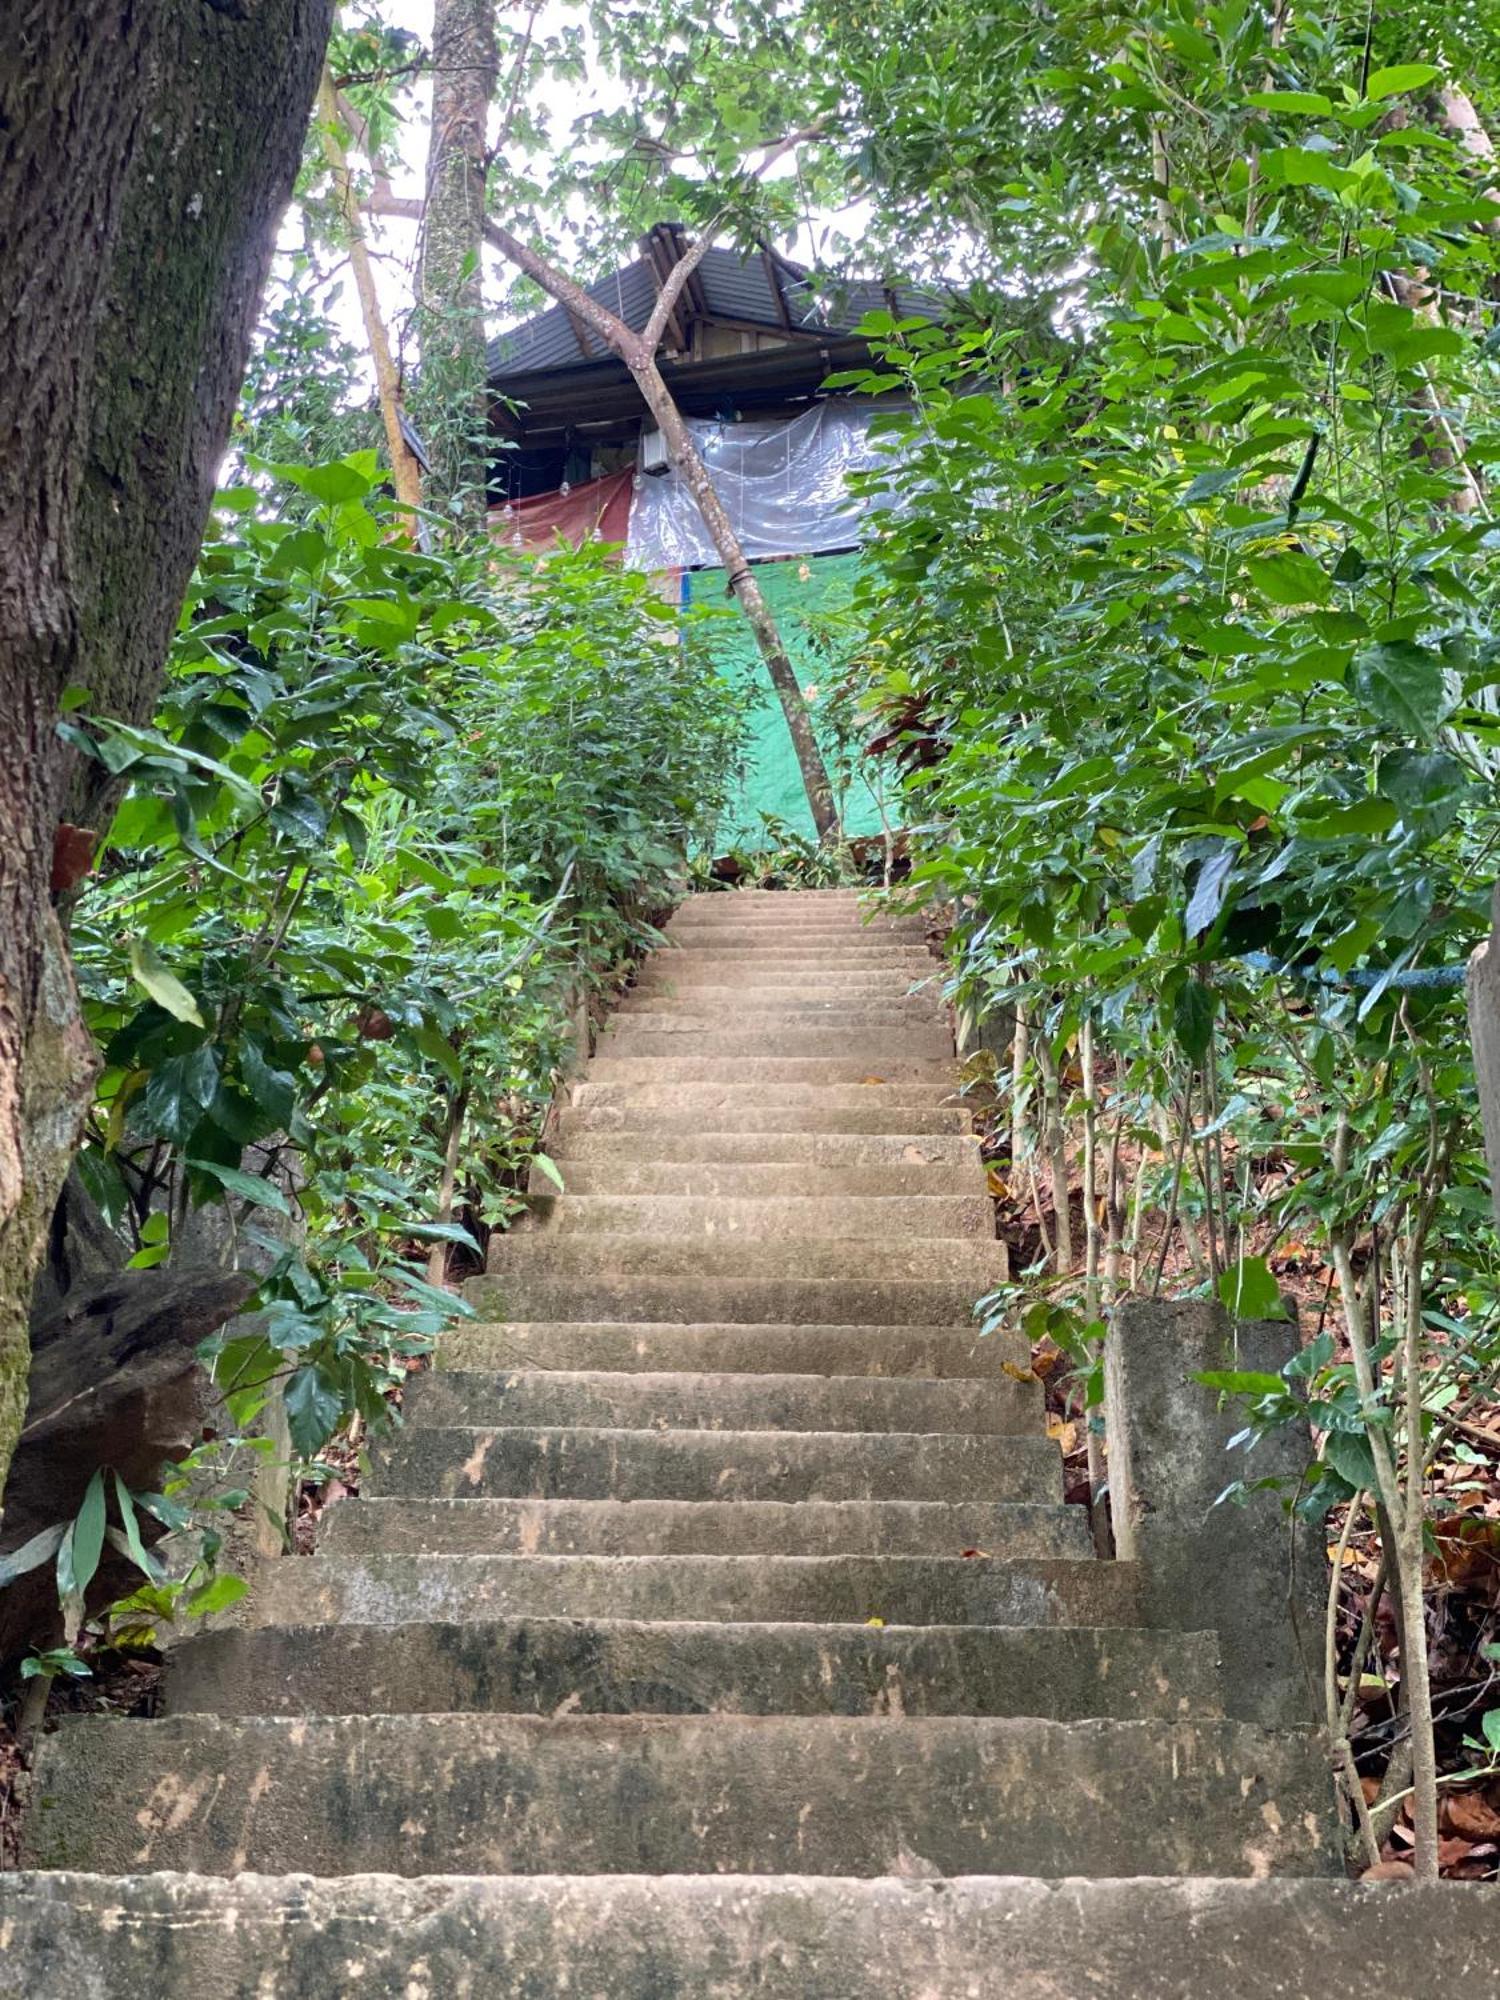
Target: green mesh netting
{"type": "Point", "coordinates": [801, 592]}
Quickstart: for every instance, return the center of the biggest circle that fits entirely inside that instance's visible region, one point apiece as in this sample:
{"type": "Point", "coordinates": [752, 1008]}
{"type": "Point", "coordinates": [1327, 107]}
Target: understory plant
{"type": "Point", "coordinates": [1185, 635]}
{"type": "Point", "coordinates": [399, 814]}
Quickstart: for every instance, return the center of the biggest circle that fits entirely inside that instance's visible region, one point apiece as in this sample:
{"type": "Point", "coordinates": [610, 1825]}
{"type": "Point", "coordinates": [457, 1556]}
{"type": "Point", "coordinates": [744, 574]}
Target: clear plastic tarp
{"type": "Point", "coordinates": [784, 484]}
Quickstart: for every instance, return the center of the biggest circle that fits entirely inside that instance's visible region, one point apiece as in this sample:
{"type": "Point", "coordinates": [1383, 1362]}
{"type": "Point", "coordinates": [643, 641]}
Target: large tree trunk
{"type": "Point", "coordinates": [146, 152]}
{"type": "Point", "coordinates": [451, 403]}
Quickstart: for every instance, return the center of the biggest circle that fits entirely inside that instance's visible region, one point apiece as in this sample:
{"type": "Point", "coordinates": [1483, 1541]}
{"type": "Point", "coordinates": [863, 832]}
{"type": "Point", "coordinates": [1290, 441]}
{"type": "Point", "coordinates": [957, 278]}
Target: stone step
{"type": "Point", "coordinates": [787, 1937]}
{"type": "Point", "coordinates": [793, 910]}
{"type": "Point", "coordinates": [410, 1526]}
{"type": "Point", "coordinates": [788, 956]}
{"type": "Point", "coordinates": [853, 1152]}
{"type": "Point", "coordinates": [763, 1004]}
{"type": "Point", "coordinates": [682, 973]}
{"type": "Point", "coordinates": [496, 1795]}
{"type": "Point", "coordinates": [852, 1041]}
{"type": "Point", "coordinates": [762, 1181]}
{"type": "Point", "coordinates": [939, 1078]}
{"type": "Point", "coordinates": [862, 923]}
{"type": "Point", "coordinates": [895, 1302]}
{"type": "Point", "coordinates": [544, 1462]}
{"type": "Point", "coordinates": [1000, 1407]}
{"type": "Point", "coordinates": [722, 1218]}
{"type": "Point", "coordinates": [737, 1103]}
{"type": "Point", "coordinates": [734, 1347]}
{"type": "Point", "coordinates": [590, 1666]}
{"type": "Point", "coordinates": [672, 1111]}
{"type": "Point", "coordinates": [820, 1590]}
{"type": "Point", "coordinates": [849, 943]}
{"type": "Point", "coordinates": [558, 1253]}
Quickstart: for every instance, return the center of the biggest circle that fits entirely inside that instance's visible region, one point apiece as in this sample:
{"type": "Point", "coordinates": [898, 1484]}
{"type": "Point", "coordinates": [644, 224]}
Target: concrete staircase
{"type": "Point", "coordinates": [717, 1606]}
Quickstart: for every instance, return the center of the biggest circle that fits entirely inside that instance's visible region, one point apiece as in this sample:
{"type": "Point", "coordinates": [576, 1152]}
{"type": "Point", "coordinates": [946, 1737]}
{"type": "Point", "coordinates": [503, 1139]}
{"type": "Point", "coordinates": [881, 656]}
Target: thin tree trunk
{"type": "Point", "coordinates": [742, 583]}
{"type": "Point", "coordinates": [405, 471]}
{"type": "Point", "coordinates": [638, 352]}
{"type": "Point", "coordinates": [437, 1257]}
{"type": "Point", "coordinates": [1057, 1153]}
{"type": "Point", "coordinates": [450, 397]}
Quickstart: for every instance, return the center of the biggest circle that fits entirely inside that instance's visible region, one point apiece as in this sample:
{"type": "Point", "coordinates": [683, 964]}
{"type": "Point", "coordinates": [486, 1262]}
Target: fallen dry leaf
{"type": "Point", "coordinates": [1389, 1871]}
{"type": "Point", "coordinates": [1471, 1815]}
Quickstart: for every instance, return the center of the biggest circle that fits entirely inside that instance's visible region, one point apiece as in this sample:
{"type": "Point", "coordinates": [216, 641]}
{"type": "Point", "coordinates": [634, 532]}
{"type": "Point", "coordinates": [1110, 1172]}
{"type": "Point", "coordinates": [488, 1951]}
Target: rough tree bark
{"type": "Point", "coordinates": [451, 402]}
{"type": "Point", "coordinates": [638, 352]}
{"type": "Point", "coordinates": [146, 152]}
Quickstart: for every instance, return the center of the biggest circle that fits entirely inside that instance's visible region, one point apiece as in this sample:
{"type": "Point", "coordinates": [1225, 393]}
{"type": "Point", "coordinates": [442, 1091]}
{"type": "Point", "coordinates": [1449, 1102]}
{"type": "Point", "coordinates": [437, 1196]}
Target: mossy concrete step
{"type": "Point", "coordinates": [638, 1400]}
{"type": "Point", "coordinates": [950, 1153]}
{"type": "Point", "coordinates": [409, 1526]}
{"type": "Point", "coordinates": [736, 1218]}
{"type": "Point", "coordinates": [669, 1113]}
{"type": "Point", "coordinates": [783, 956]}
{"type": "Point", "coordinates": [853, 939]}
{"type": "Point", "coordinates": [822, 1590]}
{"type": "Point", "coordinates": [586, 1666]}
{"type": "Point", "coordinates": [536, 1296]}
{"type": "Point", "coordinates": [938, 1077]}
{"type": "Point", "coordinates": [712, 1937]}
{"type": "Point", "coordinates": [683, 975]}
{"type": "Point", "coordinates": [732, 1347]}
{"type": "Point", "coordinates": [543, 1463]}
{"type": "Point", "coordinates": [561, 1253]}
{"type": "Point", "coordinates": [763, 1181]}
{"type": "Point", "coordinates": [709, 1005]}
{"type": "Point", "coordinates": [505, 1794]}
{"type": "Point", "coordinates": [865, 1042]}
{"type": "Point", "coordinates": [873, 1106]}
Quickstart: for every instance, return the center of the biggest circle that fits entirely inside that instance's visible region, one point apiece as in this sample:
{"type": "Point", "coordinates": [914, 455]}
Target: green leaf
{"type": "Point", "coordinates": [1490, 1728]}
{"type": "Point", "coordinates": [140, 1555]}
{"type": "Point", "coordinates": [440, 1232]}
{"type": "Point", "coordinates": [165, 988]}
{"type": "Point", "coordinates": [313, 1409]}
{"type": "Point", "coordinates": [1240, 1381]}
{"type": "Point", "coordinates": [254, 1188]}
{"type": "Point", "coordinates": [1398, 78]}
{"type": "Point", "coordinates": [274, 1090]}
{"type": "Point", "coordinates": [216, 1595]}
{"type": "Point", "coordinates": [1310, 102]}
{"type": "Point", "coordinates": [178, 1092]}
{"type": "Point", "coordinates": [31, 1555]}
{"type": "Point", "coordinates": [1250, 1290]}
{"type": "Point", "coordinates": [79, 1551]}
{"type": "Point", "coordinates": [1403, 686]}
{"type": "Point", "coordinates": [1193, 1018]}
{"type": "Point", "coordinates": [1349, 1453]}
{"type": "Point", "coordinates": [550, 1168]}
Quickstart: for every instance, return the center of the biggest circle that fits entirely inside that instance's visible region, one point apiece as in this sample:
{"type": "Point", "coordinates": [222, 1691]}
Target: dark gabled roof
{"type": "Point", "coordinates": [756, 289]}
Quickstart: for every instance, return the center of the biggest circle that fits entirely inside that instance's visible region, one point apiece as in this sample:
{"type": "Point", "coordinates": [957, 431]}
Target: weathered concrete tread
{"type": "Point", "coordinates": [705, 1401]}
{"type": "Point", "coordinates": [708, 1937]}
{"type": "Point", "coordinates": [1025, 1531]}
{"type": "Point", "coordinates": [540, 1666]}
{"type": "Point", "coordinates": [506, 1794]}
{"type": "Point", "coordinates": [818, 1590]}
{"type": "Point", "coordinates": [748, 1347]}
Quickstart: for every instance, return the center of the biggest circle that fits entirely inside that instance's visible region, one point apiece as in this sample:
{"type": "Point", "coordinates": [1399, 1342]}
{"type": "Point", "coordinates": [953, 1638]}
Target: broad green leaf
{"type": "Point", "coordinates": [1399, 78]}
{"type": "Point", "coordinates": [1193, 1018]}
{"type": "Point", "coordinates": [1249, 1290]}
{"type": "Point", "coordinates": [218, 1594]}
{"type": "Point", "coordinates": [254, 1188]}
{"type": "Point", "coordinates": [313, 1409]}
{"type": "Point", "coordinates": [1403, 687]}
{"type": "Point", "coordinates": [1310, 103]}
{"type": "Point", "coordinates": [1349, 1453]}
{"type": "Point", "coordinates": [165, 988]}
